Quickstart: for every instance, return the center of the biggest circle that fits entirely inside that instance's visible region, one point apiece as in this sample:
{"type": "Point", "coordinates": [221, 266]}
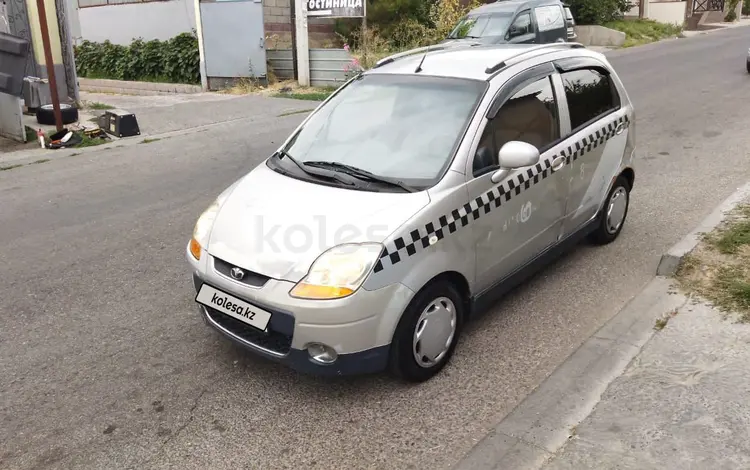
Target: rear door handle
{"type": "Point", "coordinates": [620, 128]}
{"type": "Point", "coordinates": [558, 163]}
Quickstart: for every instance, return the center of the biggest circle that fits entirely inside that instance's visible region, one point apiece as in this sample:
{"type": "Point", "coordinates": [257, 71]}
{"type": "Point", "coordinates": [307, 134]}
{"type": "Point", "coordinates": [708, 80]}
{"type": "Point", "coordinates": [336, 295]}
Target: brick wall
{"type": "Point", "coordinates": [277, 17]}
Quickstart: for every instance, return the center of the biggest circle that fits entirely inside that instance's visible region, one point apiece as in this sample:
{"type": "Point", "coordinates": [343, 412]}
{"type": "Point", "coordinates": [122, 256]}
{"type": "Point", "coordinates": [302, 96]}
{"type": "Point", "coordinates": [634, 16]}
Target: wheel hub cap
{"type": "Point", "coordinates": [434, 333]}
{"type": "Point", "coordinates": [618, 203]}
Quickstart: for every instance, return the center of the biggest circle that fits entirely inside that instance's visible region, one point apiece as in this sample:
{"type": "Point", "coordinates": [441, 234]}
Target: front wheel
{"type": "Point", "coordinates": [614, 213]}
{"type": "Point", "coordinates": [428, 332]}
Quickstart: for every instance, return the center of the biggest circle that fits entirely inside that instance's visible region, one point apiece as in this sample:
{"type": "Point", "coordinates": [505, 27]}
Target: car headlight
{"type": "Point", "coordinates": [205, 223]}
{"type": "Point", "coordinates": [338, 272]}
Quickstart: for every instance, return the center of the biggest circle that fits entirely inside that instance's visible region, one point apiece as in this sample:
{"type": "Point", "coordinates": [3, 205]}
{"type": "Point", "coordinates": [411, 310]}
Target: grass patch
{"type": "Point", "coordinates": [148, 141]}
{"type": "Point", "coordinates": [719, 267]}
{"type": "Point", "coordinates": [317, 96]}
{"type": "Point", "coordinates": [42, 160]}
{"type": "Point", "coordinates": [300, 111]}
{"type": "Point", "coordinates": [97, 105]}
{"type": "Point", "coordinates": [88, 141]}
{"type": "Point", "coordinates": [639, 32]}
{"type": "Point", "coordinates": [10, 167]}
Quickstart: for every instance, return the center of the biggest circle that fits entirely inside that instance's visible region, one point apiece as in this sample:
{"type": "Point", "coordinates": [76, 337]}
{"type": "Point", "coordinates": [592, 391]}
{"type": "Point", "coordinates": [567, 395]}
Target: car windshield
{"type": "Point", "coordinates": [404, 127]}
{"type": "Point", "coordinates": [480, 26]}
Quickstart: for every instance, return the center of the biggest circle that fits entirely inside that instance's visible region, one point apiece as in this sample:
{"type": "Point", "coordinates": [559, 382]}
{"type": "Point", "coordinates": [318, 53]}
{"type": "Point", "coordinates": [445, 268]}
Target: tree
{"type": "Point", "coordinates": [592, 12]}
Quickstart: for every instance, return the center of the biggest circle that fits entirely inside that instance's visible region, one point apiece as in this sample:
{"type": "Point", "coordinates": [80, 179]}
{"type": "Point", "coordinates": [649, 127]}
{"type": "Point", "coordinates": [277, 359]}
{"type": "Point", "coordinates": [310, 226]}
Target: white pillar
{"type": "Point", "coordinates": [201, 50]}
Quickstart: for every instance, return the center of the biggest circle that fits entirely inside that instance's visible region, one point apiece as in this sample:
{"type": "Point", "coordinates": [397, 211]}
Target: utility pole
{"type": "Point", "coordinates": [49, 63]}
{"type": "Point", "coordinates": [642, 8]}
{"type": "Point", "coordinates": [292, 7]}
{"type": "Point", "coordinates": [303, 49]}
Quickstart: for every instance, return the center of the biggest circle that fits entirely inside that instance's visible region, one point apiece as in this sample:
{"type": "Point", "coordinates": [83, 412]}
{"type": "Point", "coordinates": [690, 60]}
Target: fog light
{"type": "Point", "coordinates": [321, 353]}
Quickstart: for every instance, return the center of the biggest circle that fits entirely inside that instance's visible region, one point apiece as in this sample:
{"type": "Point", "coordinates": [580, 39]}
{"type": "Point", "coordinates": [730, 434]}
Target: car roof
{"type": "Point", "coordinates": [467, 59]}
{"type": "Point", "coordinates": [510, 6]}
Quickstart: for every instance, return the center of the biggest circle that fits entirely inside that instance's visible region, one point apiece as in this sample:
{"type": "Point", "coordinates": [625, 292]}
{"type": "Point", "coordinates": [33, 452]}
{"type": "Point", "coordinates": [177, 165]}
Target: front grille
{"type": "Point", "coordinates": [250, 278]}
{"type": "Point", "coordinates": [273, 340]}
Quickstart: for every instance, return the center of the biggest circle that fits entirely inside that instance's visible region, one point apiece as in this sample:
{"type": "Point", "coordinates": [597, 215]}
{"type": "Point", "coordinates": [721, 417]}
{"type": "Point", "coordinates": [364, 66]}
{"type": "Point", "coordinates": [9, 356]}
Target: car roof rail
{"type": "Point", "coordinates": [420, 50]}
{"type": "Point", "coordinates": [501, 65]}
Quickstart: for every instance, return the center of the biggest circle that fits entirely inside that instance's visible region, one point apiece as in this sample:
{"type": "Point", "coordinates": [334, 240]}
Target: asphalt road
{"type": "Point", "coordinates": [104, 362]}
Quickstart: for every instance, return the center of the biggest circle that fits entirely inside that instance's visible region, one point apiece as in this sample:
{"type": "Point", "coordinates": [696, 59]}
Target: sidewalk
{"type": "Point", "coordinates": [664, 385]}
{"type": "Point", "coordinates": [683, 403]}
{"type": "Point", "coordinates": [161, 116]}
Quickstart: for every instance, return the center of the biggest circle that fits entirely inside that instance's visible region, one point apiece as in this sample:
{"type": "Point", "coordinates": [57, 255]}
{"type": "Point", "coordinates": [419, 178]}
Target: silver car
{"type": "Point", "coordinates": [410, 200]}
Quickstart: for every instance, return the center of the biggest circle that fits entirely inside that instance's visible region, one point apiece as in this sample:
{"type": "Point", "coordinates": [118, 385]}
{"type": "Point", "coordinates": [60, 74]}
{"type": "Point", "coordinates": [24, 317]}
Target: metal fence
{"type": "Point", "coordinates": [326, 65]}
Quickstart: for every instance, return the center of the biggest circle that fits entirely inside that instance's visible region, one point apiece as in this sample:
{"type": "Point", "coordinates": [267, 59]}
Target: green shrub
{"type": "Point", "coordinates": [596, 12]}
{"type": "Point", "coordinates": [746, 7]}
{"type": "Point", "coordinates": [174, 61]}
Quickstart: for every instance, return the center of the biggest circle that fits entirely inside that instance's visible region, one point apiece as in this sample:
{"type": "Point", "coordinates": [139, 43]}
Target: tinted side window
{"type": "Point", "coordinates": [530, 116]}
{"type": "Point", "coordinates": [590, 94]}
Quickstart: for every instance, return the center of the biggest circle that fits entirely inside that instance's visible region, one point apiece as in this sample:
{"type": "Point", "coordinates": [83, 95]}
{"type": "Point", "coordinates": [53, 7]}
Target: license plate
{"type": "Point", "coordinates": [234, 307]}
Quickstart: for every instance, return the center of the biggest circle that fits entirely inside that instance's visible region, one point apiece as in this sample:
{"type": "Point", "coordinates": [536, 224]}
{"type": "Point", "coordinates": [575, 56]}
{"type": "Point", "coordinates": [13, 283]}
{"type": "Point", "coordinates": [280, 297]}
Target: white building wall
{"type": "Point", "coordinates": [121, 23]}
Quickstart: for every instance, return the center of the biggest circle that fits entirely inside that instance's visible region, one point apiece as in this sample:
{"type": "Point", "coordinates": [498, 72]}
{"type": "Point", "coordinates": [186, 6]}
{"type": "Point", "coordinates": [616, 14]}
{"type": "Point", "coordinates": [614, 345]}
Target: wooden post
{"type": "Point", "coordinates": [49, 63]}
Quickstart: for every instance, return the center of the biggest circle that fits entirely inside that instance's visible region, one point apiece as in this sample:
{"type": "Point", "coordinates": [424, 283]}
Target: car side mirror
{"type": "Point", "coordinates": [515, 154]}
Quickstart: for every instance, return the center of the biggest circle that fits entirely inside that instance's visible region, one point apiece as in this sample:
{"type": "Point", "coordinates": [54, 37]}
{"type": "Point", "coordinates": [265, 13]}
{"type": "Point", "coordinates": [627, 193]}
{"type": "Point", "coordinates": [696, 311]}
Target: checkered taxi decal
{"type": "Point", "coordinates": [422, 237]}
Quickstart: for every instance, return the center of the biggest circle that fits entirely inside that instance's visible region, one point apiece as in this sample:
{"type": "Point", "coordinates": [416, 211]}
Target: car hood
{"type": "Point", "coordinates": [277, 226]}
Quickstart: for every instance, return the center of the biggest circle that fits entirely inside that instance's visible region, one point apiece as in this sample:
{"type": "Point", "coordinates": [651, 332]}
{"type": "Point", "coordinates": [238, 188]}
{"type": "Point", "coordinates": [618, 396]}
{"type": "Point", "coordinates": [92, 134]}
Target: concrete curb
{"type": "Point", "coordinates": [543, 422]}
{"type": "Point", "coordinates": [670, 261]}
{"type": "Point", "coordinates": [135, 88]}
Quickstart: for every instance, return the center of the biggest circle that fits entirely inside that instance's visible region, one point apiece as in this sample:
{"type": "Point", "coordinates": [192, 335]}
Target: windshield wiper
{"type": "Point", "coordinates": [360, 173]}
{"type": "Point", "coordinates": [283, 153]}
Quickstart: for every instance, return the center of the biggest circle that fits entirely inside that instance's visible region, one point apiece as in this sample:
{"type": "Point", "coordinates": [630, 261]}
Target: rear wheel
{"type": "Point", "coordinates": [748, 66]}
{"type": "Point", "coordinates": [614, 213]}
{"type": "Point", "coordinates": [428, 332]}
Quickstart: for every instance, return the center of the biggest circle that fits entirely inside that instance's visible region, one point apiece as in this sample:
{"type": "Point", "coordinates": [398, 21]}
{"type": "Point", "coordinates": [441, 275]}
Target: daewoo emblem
{"type": "Point", "coordinates": [237, 273]}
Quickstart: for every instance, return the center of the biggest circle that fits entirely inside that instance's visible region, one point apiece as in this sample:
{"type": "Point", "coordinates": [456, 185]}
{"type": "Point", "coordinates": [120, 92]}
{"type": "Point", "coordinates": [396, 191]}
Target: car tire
{"type": "Point", "coordinates": [439, 298]}
{"type": "Point", "coordinates": [748, 66]}
{"type": "Point", "coordinates": [45, 114]}
{"type": "Point", "coordinates": [607, 229]}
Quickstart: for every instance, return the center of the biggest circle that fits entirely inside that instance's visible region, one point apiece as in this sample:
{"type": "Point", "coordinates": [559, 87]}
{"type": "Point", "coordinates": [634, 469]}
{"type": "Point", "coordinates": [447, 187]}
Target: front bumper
{"type": "Point", "coordinates": [359, 328]}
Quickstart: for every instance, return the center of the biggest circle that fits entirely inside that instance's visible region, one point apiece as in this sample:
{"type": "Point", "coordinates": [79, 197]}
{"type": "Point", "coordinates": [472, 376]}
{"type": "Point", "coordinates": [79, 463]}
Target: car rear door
{"type": "Point", "coordinates": [598, 126]}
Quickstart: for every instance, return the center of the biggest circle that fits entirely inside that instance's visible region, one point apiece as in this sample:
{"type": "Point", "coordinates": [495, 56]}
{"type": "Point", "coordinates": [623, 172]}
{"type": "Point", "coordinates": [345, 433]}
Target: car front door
{"type": "Point", "coordinates": [597, 139]}
{"type": "Point", "coordinates": [519, 216]}
{"type": "Point", "coordinates": [521, 30]}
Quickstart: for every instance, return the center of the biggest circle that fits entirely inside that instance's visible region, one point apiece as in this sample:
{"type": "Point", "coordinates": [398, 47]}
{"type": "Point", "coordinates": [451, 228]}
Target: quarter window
{"type": "Point", "coordinates": [530, 116]}
{"type": "Point", "coordinates": [590, 94]}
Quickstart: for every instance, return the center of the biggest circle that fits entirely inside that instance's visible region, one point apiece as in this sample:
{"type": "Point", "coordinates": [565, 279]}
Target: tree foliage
{"type": "Point", "coordinates": [592, 12]}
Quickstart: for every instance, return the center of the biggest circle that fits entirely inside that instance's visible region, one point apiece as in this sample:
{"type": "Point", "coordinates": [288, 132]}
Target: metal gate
{"type": "Point", "coordinates": [702, 6]}
{"type": "Point", "coordinates": [233, 38]}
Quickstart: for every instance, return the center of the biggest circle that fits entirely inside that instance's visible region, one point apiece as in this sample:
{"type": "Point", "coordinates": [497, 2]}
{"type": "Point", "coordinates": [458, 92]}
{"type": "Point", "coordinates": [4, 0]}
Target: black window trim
{"type": "Point", "coordinates": [573, 64]}
{"type": "Point", "coordinates": [513, 86]}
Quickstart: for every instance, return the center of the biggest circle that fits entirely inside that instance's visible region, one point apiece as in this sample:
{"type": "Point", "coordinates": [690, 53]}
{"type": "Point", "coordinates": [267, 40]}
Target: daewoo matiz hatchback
{"type": "Point", "coordinates": [411, 199]}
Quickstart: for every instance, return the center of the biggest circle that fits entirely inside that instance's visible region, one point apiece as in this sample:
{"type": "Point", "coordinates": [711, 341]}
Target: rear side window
{"type": "Point", "coordinates": [590, 95]}
{"type": "Point", "coordinates": [549, 17]}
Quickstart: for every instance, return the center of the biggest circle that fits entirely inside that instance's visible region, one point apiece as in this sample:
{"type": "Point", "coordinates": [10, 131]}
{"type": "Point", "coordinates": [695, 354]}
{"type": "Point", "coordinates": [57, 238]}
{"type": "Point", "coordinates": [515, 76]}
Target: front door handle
{"type": "Point", "coordinates": [620, 128]}
{"type": "Point", "coordinates": [558, 163]}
